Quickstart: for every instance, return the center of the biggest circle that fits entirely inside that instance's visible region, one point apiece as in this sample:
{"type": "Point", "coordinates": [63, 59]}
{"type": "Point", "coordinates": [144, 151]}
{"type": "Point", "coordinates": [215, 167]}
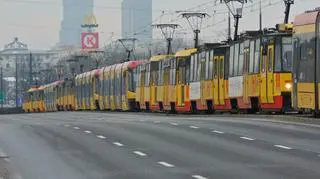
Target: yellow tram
{"type": "Point", "coordinates": [306, 45]}
{"type": "Point", "coordinates": [260, 71]}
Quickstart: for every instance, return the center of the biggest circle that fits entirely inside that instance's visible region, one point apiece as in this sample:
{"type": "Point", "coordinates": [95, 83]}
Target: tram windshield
{"type": "Point", "coordinates": [287, 54]}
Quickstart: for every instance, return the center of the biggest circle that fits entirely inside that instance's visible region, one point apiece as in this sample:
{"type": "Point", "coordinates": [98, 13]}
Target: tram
{"type": "Point", "coordinates": [260, 71]}
{"type": "Point", "coordinates": [306, 67]}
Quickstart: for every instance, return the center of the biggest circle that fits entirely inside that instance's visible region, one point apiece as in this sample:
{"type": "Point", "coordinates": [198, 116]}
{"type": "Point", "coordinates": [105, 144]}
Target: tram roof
{"type": "Point", "coordinates": [307, 18]}
{"type": "Point", "coordinates": [186, 52]}
{"type": "Point", "coordinates": [158, 58]}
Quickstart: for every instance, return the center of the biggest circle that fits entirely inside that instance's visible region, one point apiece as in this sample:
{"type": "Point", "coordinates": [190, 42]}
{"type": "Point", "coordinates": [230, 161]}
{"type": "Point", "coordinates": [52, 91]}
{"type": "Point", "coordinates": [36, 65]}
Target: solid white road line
{"type": "Point", "coordinates": [140, 153]}
{"type": "Point", "coordinates": [194, 127]}
{"type": "Point", "coordinates": [118, 144]}
{"type": "Point", "coordinates": [174, 124]}
{"type": "Point", "coordinates": [88, 132]}
{"type": "Point", "coordinates": [198, 177]}
{"type": "Point", "coordinates": [283, 147]}
{"type": "Point", "coordinates": [101, 137]}
{"type": "Point", "coordinates": [218, 132]}
{"type": "Point", "coordinates": [247, 138]}
{"type": "Point", "coordinates": [166, 164]}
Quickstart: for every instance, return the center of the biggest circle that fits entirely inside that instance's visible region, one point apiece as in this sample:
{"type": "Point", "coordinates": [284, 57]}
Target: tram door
{"type": "Point", "coordinates": [181, 82]}
{"type": "Point", "coordinates": [246, 76]}
{"type": "Point", "coordinates": [218, 81]}
{"type": "Point", "coordinates": [267, 75]}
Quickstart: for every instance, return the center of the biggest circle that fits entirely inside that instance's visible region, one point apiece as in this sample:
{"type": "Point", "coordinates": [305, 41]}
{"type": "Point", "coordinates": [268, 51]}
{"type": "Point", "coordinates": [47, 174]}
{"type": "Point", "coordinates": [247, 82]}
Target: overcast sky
{"type": "Point", "coordinates": [37, 22]}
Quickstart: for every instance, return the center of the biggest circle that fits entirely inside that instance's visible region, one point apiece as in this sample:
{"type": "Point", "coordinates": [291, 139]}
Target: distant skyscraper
{"type": "Point", "coordinates": [74, 12]}
{"type": "Point", "coordinates": [137, 19]}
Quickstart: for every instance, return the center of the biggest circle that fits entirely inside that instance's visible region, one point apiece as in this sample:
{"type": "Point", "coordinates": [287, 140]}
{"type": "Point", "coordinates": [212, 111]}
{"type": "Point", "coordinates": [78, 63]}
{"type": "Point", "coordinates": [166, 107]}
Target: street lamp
{"type": "Point", "coordinates": [195, 20]}
{"type": "Point", "coordinates": [235, 8]}
{"type": "Point", "coordinates": [167, 31]}
{"type": "Point", "coordinates": [128, 44]}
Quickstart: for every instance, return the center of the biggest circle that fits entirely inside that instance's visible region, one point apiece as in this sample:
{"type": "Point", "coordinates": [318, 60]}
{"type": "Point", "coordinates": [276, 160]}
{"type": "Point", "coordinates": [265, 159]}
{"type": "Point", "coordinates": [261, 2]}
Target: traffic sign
{"type": "Point", "coordinates": [90, 40]}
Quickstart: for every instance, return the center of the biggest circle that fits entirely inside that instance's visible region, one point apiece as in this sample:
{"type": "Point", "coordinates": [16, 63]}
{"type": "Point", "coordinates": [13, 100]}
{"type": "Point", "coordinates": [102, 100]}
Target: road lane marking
{"type": "Point", "coordinates": [166, 164]}
{"type": "Point", "coordinates": [218, 132]}
{"type": "Point", "coordinates": [157, 122]}
{"type": "Point", "coordinates": [88, 132]}
{"type": "Point", "coordinates": [198, 177]}
{"type": "Point", "coordinates": [101, 137]}
{"type": "Point", "coordinates": [142, 120]}
{"type": "Point", "coordinates": [174, 124]}
{"type": "Point", "coordinates": [118, 144]}
{"type": "Point", "coordinates": [77, 128]}
{"type": "Point", "coordinates": [140, 153]}
{"type": "Point", "coordinates": [247, 138]}
{"type": "Point", "coordinates": [66, 125]}
{"type": "Point", "coordinates": [283, 147]}
{"type": "Point", "coordinates": [194, 127]}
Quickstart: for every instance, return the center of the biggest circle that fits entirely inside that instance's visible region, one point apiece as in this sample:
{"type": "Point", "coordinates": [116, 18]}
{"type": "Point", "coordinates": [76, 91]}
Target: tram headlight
{"type": "Point", "coordinates": [288, 86]}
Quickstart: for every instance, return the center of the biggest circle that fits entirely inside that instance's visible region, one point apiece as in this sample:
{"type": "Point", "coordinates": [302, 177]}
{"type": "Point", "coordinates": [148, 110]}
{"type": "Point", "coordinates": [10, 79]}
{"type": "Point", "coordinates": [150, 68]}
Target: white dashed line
{"type": "Point", "coordinates": [283, 147]}
{"type": "Point", "coordinates": [194, 127]}
{"type": "Point", "coordinates": [140, 153]}
{"type": "Point", "coordinates": [88, 132]}
{"type": "Point", "coordinates": [101, 137]}
{"type": "Point", "coordinates": [66, 125]}
{"type": "Point", "coordinates": [174, 124]}
{"type": "Point", "coordinates": [157, 122]}
{"type": "Point", "coordinates": [247, 138]}
{"type": "Point", "coordinates": [142, 120]}
{"type": "Point", "coordinates": [37, 123]}
{"type": "Point", "coordinates": [198, 177]}
{"type": "Point", "coordinates": [218, 132]}
{"type": "Point", "coordinates": [118, 144]}
{"type": "Point", "coordinates": [166, 164]}
{"type": "Point", "coordinates": [77, 128]}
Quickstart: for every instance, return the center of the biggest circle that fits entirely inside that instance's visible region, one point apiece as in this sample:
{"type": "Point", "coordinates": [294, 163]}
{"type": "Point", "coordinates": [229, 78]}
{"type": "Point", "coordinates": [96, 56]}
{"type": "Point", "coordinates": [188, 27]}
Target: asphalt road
{"type": "Point", "coordinates": [76, 145]}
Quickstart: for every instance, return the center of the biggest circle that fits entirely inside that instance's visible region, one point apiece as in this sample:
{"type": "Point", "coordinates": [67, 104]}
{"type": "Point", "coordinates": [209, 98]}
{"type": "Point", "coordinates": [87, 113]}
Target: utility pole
{"type": "Point", "coordinates": [1, 90]}
{"type": "Point", "coordinates": [167, 31]}
{"type": "Point", "coordinates": [260, 16]}
{"type": "Point", "coordinates": [17, 96]}
{"type": "Point", "coordinates": [30, 70]}
{"type": "Point", "coordinates": [229, 27]}
{"type": "Point", "coordinates": [236, 11]}
{"type": "Point", "coordinates": [287, 11]}
{"type": "Point", "coordinates": [195, 20]}
{"type": "Point", "coordinates": [128, 44]}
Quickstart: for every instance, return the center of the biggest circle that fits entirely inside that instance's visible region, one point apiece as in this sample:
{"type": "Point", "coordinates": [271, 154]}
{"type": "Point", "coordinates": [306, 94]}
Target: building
{"type": "Point", "coordinates": [137, 20]}
{"type": "Point", "coordinates": [74, 12]}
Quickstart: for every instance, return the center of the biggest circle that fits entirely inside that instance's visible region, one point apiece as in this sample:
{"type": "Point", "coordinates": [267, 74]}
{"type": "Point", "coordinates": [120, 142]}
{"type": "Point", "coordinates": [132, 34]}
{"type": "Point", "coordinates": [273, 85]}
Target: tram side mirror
{"type": "Point", "coordinates": [264, 50]}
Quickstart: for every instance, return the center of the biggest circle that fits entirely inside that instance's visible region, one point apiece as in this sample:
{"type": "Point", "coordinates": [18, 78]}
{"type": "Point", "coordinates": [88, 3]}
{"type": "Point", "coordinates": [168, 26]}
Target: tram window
{"type": "Point", "coordinates": [195, 67]}
{"type": "Point", "coordinates": [210, 74]}
{"type": "Point", "coordinates": [199, 69]}
{"type": "Point", "coordinates": [270, 61]}
{"type": "Point", "coordinates": [241, 58]}
{"type": "Point", "coordinates": [251, 58]}
{"type": "Point", "coordinates": [216, 67]}
{"type": "Point", "coordinates": [231, 58]}
{"type": "Point", "coordinates": [191, 67]}
{"type": "Point", "coordinates": [287, 54]}
{"type": "Point", "coordinates": [277, 59]}
{"type": "Point", "coordinates": [207, 65]}
{"type": "Point", "coordinates": [236, 60]}
{"type": "Point", "coordinates": [221, 69]}
{"type": "Point", "coordinates": [257, 56]}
